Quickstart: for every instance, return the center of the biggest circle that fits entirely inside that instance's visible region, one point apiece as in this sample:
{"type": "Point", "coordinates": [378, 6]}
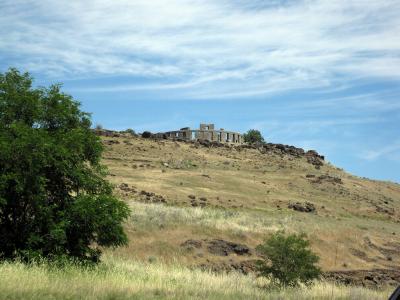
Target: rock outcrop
{"type": "Point", "coordinates": [367, 278]}
{"type": "Point", "coordinates": [303, 207]}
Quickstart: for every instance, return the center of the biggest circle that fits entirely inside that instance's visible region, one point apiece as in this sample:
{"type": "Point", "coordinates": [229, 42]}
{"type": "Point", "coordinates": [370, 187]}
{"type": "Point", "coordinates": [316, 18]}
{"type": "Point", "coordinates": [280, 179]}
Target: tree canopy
{"type": "Point", "coordinates": [288, 259]}
{"type": "Point", "coordinates": [253, 136]}
{"type": "Point", "coordinates": [54, 199]}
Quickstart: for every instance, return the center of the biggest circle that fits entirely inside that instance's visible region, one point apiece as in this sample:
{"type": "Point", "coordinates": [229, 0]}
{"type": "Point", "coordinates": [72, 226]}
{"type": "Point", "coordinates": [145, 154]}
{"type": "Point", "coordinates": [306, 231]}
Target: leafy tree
{"type": "Point", "coordinates": [288, 260]}
{"type": "Point", "coordinates": [253, 136]}
{"type": "Point", "coordinates": [130, 131]}
{"type": "Point", "coordinates": [54, 200]}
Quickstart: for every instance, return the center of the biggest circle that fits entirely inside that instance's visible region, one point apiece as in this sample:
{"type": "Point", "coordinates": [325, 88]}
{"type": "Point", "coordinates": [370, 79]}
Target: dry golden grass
{"type": "Point", "coordinates": [121, 279]}
{"type": "Point", "coordinates": [243, 191]}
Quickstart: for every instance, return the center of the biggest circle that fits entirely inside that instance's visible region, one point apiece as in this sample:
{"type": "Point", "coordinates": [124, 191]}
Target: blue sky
{"type": "Point", "coordinates": [316, 74]}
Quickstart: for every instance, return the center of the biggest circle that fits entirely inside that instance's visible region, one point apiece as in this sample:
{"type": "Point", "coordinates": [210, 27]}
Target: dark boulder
{"type": "Point", "coordinates": [224, 248]}
{"type": "Point", "coordinates": [302, 207]}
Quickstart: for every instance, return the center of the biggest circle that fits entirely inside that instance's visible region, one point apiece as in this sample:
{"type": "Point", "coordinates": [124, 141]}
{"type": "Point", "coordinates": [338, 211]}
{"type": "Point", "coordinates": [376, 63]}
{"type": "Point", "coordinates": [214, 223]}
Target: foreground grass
{"type": "Point", "coordinates": [118, 279]}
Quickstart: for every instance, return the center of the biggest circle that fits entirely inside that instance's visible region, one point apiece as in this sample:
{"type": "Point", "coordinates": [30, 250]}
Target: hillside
{"type": "Point", "coordinates": [209, 206]}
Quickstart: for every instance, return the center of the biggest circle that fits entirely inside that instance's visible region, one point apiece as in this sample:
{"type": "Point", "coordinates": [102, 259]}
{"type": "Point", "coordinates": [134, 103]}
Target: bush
{"type": "Point", "coordinates": [130, 131]}
{"type": "Point", "coordinates": [146, 134]}
{"type": "Point", "coordinates": [253, 136]}
{"type": "Point", "coordinates": [54, 200]}
{"type": "Point", "coordinates": [288, 260]}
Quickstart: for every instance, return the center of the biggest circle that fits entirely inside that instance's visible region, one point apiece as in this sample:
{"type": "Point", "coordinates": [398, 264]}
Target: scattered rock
{"type": "Point", "coordinates": [150, 197]}
{"type": "Point", "coordinates": [224, 248]}
{"type": "Point", "coordinates": [191, 244]}
{"type": "Point", "coordinates": [303, 207]}
{"type": "Point", "coordinates": [195, 203]}
{"type": "Point", "coordinates": [206, 143]}
{"type": "Point", "coordinates": [244, 267]}
{"type": "Point", "coordinates": [385, 210]}
{"type": "Point", "coordinates": [125, 187]}
{"type": "Point", "coordinates": [107, 133]}
{"type": "Point", "coordinates": [326, 178]}
{"type": "Point", "coordinates": [218, 247]}
{"type": "Point", "coordinates": [361, 254]}
{"type": "Point", "coordinates": [202, 201]}
{"type": "Point", "coordinates": [389, 249]}
{"type": "Point", "coordinates": [312, 156]}
{"type": "Point", "coordinates": [281, 149]}
{"type": "Point", "coordinates": [367, 278]}
{"type": "Point", "coordinates": [111, 142]}
{"type": "Point", "coordinates": [315, 159]}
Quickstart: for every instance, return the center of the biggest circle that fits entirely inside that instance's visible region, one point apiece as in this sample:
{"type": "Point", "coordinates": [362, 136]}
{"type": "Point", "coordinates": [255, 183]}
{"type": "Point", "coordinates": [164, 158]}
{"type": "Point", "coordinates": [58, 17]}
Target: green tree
{"type": "Point", "coordinates": [130, 131]}
{"type": "Point", "coordinates": [54, 200]}
{"type": "Point", "coordinates": [146, 134]}
{"type": "Point", "coordinates": [288, 260]}
{"type": "Point", "coordinates": [253, 136]}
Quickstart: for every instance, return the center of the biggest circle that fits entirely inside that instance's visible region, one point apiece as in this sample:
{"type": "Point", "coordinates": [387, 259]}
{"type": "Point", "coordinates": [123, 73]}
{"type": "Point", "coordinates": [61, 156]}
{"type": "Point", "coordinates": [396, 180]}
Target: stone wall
{"type": "Point", "coordinates": [206, 132]}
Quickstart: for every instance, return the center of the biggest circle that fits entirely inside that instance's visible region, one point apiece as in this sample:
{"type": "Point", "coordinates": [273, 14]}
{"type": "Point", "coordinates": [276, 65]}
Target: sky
{"type": "Point", "coordinates": [317, 74]}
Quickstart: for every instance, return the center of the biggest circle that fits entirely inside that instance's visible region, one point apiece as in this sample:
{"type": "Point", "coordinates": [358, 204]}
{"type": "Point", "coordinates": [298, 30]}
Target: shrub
{"type": "Point", "coordinates": [54, 200]}
{"type": "Point", "coordinates": [253, 136]}
{"type": "Point", "coordinates": [288, 260]}
{"type": "Point", "coordinates": [146, 134]}
{"type": "Point", "coordinates": [130, 131]}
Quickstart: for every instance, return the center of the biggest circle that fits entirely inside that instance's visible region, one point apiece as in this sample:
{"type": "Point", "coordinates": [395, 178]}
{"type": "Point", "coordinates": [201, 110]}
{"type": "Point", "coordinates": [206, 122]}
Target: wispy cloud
{"type": "Point", "coordinates": [205, 48]}
{"type": "Point", "coordinates": [391, 150]}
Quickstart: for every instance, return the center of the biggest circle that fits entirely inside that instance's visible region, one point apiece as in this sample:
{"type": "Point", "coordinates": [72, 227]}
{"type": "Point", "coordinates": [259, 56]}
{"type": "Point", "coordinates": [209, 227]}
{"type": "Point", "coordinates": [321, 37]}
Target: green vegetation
{"type": "Point", "coordinates": [54, 200]}
{"type": "Point", "coordinates": [146, 134]}
{"type": "Point", "coordinates": [253, 136]}
{"type": "Point", "coordinates": [290, 260]}
{"type": "Point", "coordinates": [130, 131]}
{"type": "Point", "coordinates": [248, 194]}
{"type": "Point", "coordinates": [122, 279]}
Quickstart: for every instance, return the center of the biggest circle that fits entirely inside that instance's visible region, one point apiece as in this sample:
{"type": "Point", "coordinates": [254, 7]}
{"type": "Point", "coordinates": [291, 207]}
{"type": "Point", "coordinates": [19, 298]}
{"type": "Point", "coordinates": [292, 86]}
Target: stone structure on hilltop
{"type": "Point", "coordinates": [207, 132]}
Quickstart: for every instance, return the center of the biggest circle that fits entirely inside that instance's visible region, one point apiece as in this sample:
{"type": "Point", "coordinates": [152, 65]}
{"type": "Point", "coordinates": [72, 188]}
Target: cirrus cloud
{"type": "Point", "coordinates": [204, 48]}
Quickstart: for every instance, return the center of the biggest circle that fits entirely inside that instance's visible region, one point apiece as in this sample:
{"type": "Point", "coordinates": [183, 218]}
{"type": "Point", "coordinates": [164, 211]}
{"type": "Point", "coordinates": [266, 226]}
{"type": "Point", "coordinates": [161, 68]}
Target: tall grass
{"type": "Point", "coordinates": [148, 216]}
{"type": "Point", "coordinates": [119, 279]}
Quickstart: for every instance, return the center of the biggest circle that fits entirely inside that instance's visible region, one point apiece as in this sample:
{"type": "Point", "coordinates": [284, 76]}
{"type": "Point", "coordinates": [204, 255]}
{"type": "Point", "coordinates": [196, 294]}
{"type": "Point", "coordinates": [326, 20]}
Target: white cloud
{"type": "Point", "coordinates": [391, 151]}
{"type": "Point", "coordinates": [207, 48]}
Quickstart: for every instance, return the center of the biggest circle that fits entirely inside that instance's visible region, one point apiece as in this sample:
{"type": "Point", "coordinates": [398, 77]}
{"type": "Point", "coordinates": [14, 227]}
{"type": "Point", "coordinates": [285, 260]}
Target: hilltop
{"type": "Point", "coordinates": [208, 205]}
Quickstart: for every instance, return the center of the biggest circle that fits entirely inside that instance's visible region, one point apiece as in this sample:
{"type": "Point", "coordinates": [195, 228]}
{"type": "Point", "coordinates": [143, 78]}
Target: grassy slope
{"type": "Point", "coordinates": [118, 279]}
{"type": "Point", "coordinates": [243, 191]}
{"type": "Point", "coordinates": [240, 207]}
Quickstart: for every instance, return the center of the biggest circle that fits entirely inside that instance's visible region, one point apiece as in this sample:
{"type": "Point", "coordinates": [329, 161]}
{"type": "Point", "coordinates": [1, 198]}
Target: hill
{"type": "Point", "coordinates": [208, 205]}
